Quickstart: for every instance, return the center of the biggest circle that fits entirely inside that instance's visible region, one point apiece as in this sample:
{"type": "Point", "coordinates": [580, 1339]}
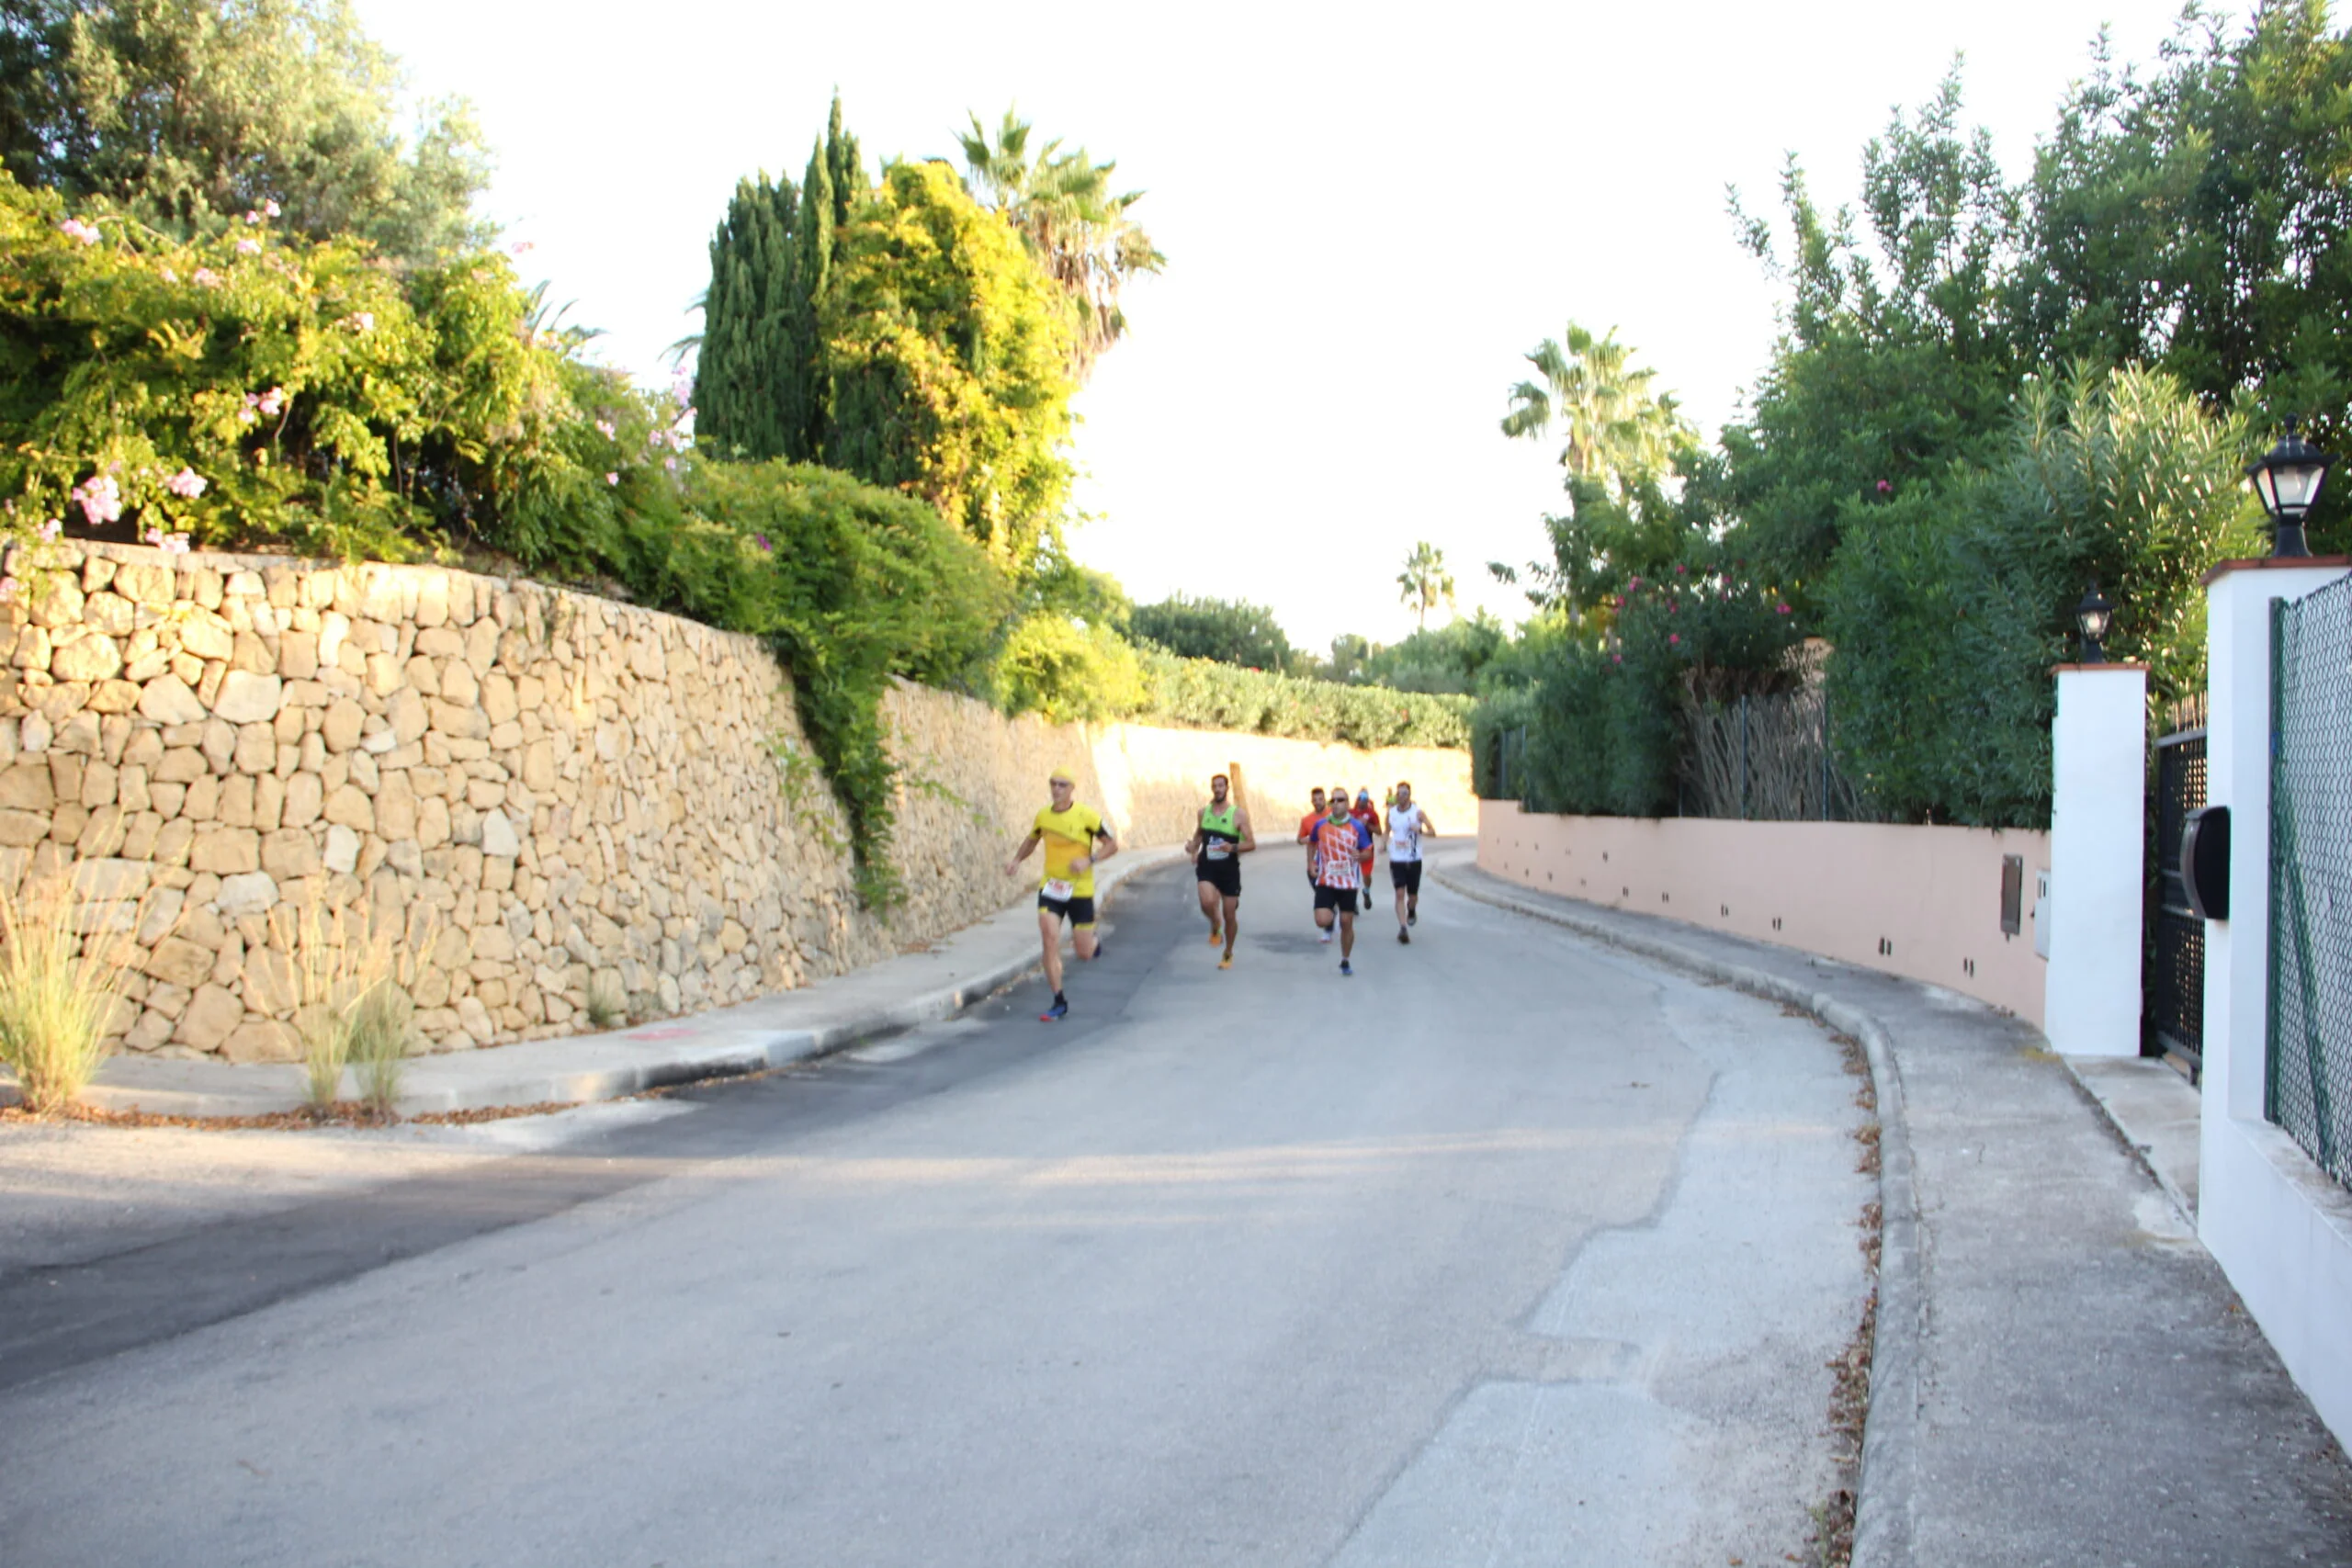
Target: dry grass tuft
{"type": "Point", "coordinates": [59, 957]}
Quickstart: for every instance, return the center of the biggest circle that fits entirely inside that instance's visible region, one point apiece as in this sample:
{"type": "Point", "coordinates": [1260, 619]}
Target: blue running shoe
{"type": "Point", "coordinates": [1056, 1013]}
{"type": "Point", "coordinates": [1345, 968]}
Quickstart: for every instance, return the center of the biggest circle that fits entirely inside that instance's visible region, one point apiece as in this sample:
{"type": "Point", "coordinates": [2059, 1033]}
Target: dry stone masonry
{"type": "Point", "coordinates": [549, 794]}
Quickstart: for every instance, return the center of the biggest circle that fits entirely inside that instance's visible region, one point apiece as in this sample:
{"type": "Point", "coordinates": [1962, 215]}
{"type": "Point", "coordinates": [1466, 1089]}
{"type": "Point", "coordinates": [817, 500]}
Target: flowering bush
{"type": "Point", "coordinates": [270, 389]}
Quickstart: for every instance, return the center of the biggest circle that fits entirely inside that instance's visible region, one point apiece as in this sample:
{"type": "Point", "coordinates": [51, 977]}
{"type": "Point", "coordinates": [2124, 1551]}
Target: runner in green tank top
{"type": "Point", "coordinates": [1222, 837]}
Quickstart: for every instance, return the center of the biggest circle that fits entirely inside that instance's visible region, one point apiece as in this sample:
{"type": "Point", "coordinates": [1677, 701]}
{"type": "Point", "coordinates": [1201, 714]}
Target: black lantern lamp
{"type": "Point", "coordinates": [2288, 481]}
{"type": "Point", "coordinates": [2093, 616]}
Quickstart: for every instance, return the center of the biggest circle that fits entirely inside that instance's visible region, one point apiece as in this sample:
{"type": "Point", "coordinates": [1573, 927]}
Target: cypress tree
{"type": "Point", "coordinates": [745, 404]}
{"type": "Point", "coordinates": [761, 385]}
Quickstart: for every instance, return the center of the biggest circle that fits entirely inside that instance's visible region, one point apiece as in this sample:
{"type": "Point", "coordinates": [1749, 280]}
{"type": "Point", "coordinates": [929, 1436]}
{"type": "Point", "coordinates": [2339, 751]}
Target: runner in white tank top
{"type": "Point", "coordinates": [1407, 826]}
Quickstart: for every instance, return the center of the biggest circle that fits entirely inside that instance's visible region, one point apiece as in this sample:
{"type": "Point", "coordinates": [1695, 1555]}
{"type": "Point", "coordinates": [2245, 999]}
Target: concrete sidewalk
{"type": "Point", "coordinates": [785, 1027]}
{"type": "Point", "coordinates": [2063, 1376]}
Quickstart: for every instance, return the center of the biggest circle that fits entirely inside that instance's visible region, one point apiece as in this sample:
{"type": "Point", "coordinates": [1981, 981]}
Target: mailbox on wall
{"type": "Point", "coordinates": [2041, 914]}
{"type": "Point", "coordinates": [2205, 862]}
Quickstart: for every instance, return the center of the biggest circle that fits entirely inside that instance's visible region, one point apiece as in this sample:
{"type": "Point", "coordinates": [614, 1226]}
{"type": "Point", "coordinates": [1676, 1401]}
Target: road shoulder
{"type": "Point", "coordinates": [2059, 1362]}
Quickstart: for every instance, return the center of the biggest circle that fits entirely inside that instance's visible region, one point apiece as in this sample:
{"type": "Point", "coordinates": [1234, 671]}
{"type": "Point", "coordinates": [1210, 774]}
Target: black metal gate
{"type": "Point", "coordinates": [2173, 1016]}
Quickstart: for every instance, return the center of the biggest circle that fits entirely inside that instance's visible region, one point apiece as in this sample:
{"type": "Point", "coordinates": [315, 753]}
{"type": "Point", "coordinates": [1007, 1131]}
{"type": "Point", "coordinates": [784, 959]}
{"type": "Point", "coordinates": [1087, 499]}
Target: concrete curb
{"type": "Point", "coordinates": [656, 1055]}
{"type": "Point", "coordinates": [1889, 1468]}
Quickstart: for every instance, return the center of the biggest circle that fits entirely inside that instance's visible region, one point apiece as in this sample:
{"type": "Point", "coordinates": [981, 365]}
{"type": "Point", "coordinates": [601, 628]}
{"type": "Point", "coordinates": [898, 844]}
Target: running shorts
{"type": "Point", "coordinates": [1225, 876]}
{"type": "Point", "coordinates": [1405, 874]}
{"type": "Point", "coordinates": [1078, 912]}
{"type": "Point", "coordinates": [1342, 898]}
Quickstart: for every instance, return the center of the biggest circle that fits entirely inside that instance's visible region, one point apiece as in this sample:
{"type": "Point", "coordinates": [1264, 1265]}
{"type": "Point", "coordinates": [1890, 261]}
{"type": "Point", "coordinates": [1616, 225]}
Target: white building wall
{"type": "Point", "coordinates": [2281, 1228]}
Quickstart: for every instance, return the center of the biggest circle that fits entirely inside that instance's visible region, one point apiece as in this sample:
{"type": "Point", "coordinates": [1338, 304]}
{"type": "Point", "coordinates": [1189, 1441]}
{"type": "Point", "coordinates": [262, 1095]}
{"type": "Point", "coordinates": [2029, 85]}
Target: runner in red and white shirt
{"type": "Point", "coordinates": [1339, 838]}
{"type": "Point", "coordinates": [1307, 827]}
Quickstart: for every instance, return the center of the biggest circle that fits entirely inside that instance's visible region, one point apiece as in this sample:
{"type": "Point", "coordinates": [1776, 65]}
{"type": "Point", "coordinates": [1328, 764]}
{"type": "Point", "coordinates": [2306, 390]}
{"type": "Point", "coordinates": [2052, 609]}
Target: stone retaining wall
{"type": "Point", "coordinates": [548, 795]}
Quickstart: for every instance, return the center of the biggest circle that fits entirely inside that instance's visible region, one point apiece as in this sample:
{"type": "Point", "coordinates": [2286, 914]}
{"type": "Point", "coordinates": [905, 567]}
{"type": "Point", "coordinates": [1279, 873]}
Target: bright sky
{"type": "Point", "coordinates": [1370, 214]}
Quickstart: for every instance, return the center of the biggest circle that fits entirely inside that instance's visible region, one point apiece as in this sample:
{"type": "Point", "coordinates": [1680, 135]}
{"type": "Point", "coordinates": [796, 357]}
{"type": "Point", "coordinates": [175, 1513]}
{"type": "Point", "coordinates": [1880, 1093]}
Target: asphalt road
{"type": "Point", "coordinates": [1506, 1250]}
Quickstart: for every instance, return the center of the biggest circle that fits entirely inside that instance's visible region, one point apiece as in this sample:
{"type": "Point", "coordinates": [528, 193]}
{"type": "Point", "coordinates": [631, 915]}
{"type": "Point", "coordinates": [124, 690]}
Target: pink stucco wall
{"type": "Point", "coordinates": [1922, 902]}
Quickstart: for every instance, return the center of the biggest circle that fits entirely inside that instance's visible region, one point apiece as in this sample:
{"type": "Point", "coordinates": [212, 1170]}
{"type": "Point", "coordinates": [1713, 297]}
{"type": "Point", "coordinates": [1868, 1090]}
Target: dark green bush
{"type": "Point", "coordinates": [1200, 693]}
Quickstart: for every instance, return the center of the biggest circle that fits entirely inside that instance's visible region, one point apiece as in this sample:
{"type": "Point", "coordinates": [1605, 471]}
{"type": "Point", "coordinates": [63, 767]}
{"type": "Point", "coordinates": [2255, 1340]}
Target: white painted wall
{"type": "Point", "coordinates": [2281, 1228]}
{"type": "Point", "coordinates": [2096, 860]}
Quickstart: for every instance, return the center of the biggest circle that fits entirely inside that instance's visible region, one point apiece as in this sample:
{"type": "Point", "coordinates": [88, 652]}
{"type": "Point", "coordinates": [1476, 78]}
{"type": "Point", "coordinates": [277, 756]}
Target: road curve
{"type": "Point", "coordinates": [1509, 1249]}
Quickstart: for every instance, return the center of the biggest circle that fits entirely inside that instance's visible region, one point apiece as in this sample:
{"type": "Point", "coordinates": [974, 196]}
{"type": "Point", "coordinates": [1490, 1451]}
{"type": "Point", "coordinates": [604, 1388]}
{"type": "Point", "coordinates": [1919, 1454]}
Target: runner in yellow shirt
{"type": "Point", "coordinates": [1077, 839]}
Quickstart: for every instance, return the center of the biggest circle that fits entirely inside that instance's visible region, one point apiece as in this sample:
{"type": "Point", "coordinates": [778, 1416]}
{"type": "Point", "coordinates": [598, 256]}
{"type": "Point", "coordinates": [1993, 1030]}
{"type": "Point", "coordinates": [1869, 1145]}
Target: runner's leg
{"type": "Point", "coordinates": [1049, 930]}
{"type": "Point", "coordinates": [1208, 907]}
{"type": "Point", "coordinates": [1347, 934]}
{"type": "Point", "coordinates": [1232, 925]}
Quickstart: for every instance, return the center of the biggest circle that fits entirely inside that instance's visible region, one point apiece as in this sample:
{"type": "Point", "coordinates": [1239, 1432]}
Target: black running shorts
{"type": "Point", "coordinates": [1078, 912]}
{"type": "Point", "coordinates": [1342, 898]}
{"type": "Point", "coordinates": [1225, 876]}
{"type": "Point", "coordinates": [1405, 874]}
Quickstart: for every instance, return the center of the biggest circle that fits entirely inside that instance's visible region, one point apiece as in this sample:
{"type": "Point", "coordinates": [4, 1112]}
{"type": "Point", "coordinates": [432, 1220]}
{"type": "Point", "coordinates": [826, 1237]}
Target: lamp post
{"type": "Point", "coordinates": [2288, 481]}
{"type": "Point", "coordinates": [2092, 618]}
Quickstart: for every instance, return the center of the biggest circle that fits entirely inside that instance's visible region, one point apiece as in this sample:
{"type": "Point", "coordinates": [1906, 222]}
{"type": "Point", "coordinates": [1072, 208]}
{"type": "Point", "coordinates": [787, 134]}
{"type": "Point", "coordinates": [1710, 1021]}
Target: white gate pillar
{"type": "Point", "coordinates": [2281, 1229]}
{"type": "Point", "coordinates": [2097, 860]}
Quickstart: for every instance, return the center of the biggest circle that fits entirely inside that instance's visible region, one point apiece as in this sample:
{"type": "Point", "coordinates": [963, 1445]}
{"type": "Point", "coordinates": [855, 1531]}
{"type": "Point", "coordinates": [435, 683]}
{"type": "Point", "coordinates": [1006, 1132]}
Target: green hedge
{"type": "Point", "coordinates": [1199, 694]}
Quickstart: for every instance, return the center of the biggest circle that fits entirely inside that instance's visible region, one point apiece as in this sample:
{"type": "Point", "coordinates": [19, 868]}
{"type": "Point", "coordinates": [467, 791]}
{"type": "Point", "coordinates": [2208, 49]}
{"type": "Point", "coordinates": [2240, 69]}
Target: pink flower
{"type": "Point", "coordinates": [207, 278]}
{"type": "Point", "coordinates": [76, 229]}
{"type": "Point", "coordinates": [670, 464]}
{"type": "Point", "coordinates": [51, 529]}
{"type": "Point", "coordinates": [762, 540]}
{"type": "Point", "coordinates": [270, 208]}
{"type": "Point", "coordinates": [271, 402]}
{"type": "Point", "coordinates": [363, 321]}
{"type": "Point", "coordinates": [251, 216]}
{"type": "Point", "coordinates": [611, 479]}
{"type": "Point", "coordinates": [522, 247]}
{"type": "Point", "coordinates": [188, 484]}
{"type": "Point", "coordinates": [168, 274]}
{"type": "Point", "coordinates": [1673, 637]}
{"type": "Point", "coordinates": [1616, 658]}
{"type": "Point", "coordinates": [170, 544]}
{"type": "Point", "coordinates": [249, 247]}
{"type": "Point", "coordinates": [1885, 488]}
{"type": "Point", "coordinates": [1783, 609]}
{"type": "Point", "coordinates": [604, 428]}
{"type": "Point", "coordinates": [1679, 569]}
{"type": "Point", "coordinates": [100, 498]}
{"type": "Point", "coordinates": [1634, 582]}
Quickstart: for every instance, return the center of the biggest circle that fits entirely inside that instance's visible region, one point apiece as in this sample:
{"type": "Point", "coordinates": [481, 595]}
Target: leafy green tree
{"type": "Point", "coordinates": [188, 114]}
{"type": "Point", "coordinates": [762, 378]}
{"type": "Point", "coordinates": [2195, 218]}
{"type": "Point", "coordinates": [1227, 631]}
{"type": "Point", "coordinates": [1896, 359]}
{"type": "Point", "coordinates": [1945, 615]}
{"type": "Point", "coordinates": [949, 352]}
{"type": "Point", "coordinates": [1078, 228]}
{"type": "Point", "coordinates": [1449, 658]}
{"type": "Point", "coordinates": [1616, 428]}
{"type": "Point", "coordinates": [1425, 583]}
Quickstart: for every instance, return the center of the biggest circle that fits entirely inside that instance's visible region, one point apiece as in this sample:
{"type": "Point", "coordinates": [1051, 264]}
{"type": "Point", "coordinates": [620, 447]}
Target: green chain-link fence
{"type": "Point", "coordinates": [2311, 875]}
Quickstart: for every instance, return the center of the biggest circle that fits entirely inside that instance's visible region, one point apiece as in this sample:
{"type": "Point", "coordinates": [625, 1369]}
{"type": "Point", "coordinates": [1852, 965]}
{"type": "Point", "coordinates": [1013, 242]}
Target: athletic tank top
{"type": "Point", "coordinates": [1220, 830]}
{"type": "Point", "coordinates": [1404, 833]}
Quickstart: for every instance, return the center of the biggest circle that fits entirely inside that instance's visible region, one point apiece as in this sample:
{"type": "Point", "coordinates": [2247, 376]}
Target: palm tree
{"type": "Point", "coordinates": [1075, 225]}
{"type": "Point", "coordinates": [1425, 582]}
{"type": "Point", "coordinates": [1617, 428]}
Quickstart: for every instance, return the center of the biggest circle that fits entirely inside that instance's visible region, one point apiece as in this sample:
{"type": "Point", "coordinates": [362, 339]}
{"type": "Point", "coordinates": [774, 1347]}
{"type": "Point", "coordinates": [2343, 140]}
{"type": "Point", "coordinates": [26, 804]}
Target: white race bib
{"type": "Point", "coordinates": [1218, 849]}
{"type": "Point", "coordinates": [1060, 892]}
